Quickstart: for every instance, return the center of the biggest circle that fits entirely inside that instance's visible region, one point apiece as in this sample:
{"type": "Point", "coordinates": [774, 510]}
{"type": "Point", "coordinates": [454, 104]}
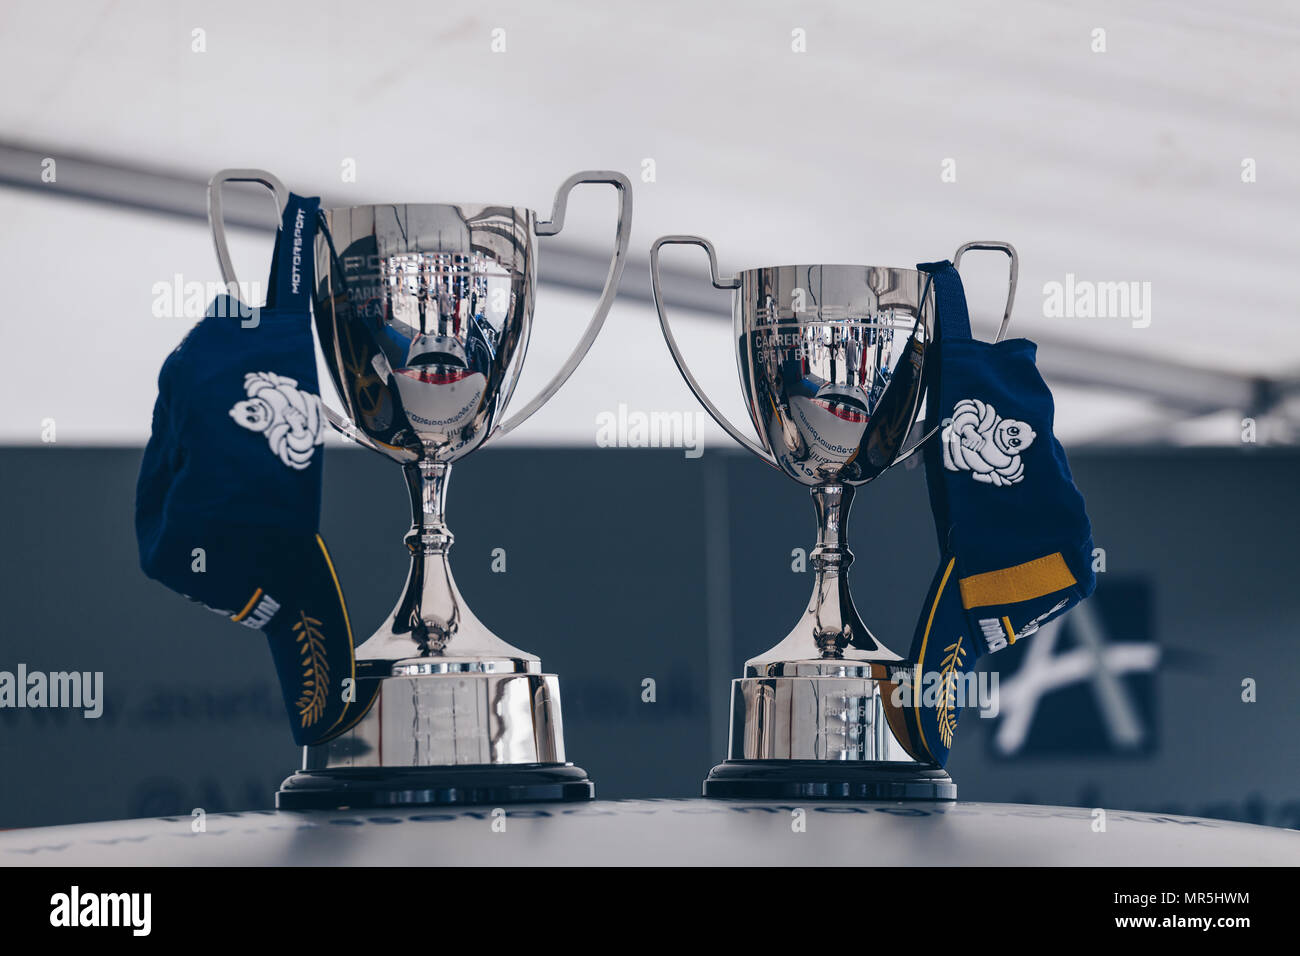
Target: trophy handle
{"type": "Point", "coordinates": [552, 227]}
{"type": "Point", "coordinates": [719, 282]}
{"type": "Point", "coordinates": [218, 224]}
{"type": "Point", "coordinates": [217, 221]}
{"type": "Point", "coordinates": [1010, 252]}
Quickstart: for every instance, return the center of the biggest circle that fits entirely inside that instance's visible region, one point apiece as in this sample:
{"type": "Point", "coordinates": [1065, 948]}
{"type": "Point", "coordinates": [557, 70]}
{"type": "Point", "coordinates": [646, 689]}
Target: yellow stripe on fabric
{"type": "Point", "coordinates": [1024, 582]}
{"type": "Point", "coordinates": [248, 608]}
{"type": "Point", "coordinates": [916, 687]}
{"type": "Point", "coordinates": [347, 622]}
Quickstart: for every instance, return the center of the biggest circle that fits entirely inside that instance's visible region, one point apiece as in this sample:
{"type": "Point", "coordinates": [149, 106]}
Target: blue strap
{"type": "Point", "coordinates": [952, 321]}
{"type": "Point", "coordinates": [292, 271]}
{"type": "Point", "coordinates": [951, 315]}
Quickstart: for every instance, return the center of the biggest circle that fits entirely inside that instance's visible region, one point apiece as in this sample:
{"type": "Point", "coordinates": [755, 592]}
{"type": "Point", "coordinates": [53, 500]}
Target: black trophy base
{"type": "Point", "coordinates": [496, 784]}
{"type": "Point", "coordinates": [827, 780]}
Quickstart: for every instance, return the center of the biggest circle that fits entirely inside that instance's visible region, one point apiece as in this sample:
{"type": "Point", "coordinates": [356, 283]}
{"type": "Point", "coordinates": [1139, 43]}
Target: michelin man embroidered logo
{"type": "Point", "coordinates": [989, 447]}
{"type": "Point", "coordinates": [290, 418]}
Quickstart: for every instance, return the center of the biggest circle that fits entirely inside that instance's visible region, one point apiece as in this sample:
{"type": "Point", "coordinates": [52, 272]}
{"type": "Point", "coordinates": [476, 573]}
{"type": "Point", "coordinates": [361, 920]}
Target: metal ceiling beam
{"type": "Point", "coordinates": [1182, 388]}
{"type": "Point", "coordinates": [184, 196]}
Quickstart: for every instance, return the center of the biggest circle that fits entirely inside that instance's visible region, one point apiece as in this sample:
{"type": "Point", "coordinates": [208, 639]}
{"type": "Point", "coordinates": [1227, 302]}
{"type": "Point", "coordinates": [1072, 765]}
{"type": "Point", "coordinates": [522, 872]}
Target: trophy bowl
{"type": "Point", "coordinates": [819, 348]}
{"type": "Point", "coordinates": [423, 313]}
{"type": "Point", "coordinates": [830, 359]}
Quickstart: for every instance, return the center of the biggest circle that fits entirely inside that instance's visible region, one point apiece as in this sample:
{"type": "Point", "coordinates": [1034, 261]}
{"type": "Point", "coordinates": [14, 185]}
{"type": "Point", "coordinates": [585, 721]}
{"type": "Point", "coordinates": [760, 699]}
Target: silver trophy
{"type": "Point", "coordinates": [831, 360]}
{"type": "Point", "coordinates": [423, 313]}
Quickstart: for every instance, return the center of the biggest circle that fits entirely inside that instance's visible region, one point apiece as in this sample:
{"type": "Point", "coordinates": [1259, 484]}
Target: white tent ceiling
{"type": "Point", "coordinates": [1117, 166]}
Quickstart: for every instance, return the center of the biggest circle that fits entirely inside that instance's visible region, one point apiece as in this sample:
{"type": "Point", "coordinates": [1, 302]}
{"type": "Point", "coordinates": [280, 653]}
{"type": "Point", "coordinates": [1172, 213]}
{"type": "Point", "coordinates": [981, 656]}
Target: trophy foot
{"type": "Point", "coordinates": [824, 729]}
{"type": "Point", "coordinates": [827, 780]}
{"type": "Point", "coordinates": [444, 737]}
{"type": "Point", "coordinates": [491, 784]}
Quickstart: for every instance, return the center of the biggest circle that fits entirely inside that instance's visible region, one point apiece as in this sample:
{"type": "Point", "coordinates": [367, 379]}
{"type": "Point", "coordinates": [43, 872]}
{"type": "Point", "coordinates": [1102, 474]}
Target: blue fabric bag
{"type": "Point", "coordinates": [229, 494]}
{"type": "Point", "coordinates": [1014, 537]}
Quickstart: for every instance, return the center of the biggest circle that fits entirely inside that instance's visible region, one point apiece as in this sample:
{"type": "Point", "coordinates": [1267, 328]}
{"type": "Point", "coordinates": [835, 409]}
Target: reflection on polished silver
{"type": "Point", "coordinates": [814, 718]}
{"type": "Point", "coordinates": [830, 360]}
{"type": "Point", "coordinates": [424, 313]}
{"type": "Point", "coordinates": [454, 719]}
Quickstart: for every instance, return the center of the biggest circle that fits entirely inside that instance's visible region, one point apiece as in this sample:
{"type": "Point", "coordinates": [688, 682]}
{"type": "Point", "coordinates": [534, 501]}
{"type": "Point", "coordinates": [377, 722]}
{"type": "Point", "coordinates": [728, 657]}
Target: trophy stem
{"type": "Point", "coordinates": [432, 630]}
{"type": "Point", "coordinates": [431, 596]}
{"type": "Point", "coordinates": [829, 633]}
{"type": "Point", "coordinates": [835, 621]}
{"type": "Point", "coordinates": [427, 483]}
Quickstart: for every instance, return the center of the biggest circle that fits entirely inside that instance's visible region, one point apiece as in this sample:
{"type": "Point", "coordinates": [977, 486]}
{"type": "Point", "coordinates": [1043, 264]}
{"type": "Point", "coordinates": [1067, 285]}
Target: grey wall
{"type": "Point", "coordinates": [627, 564]}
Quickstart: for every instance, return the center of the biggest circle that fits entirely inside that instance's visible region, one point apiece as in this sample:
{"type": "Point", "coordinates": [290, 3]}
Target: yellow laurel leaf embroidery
{"type": "Point", "coordinates": [315, 674]}
{"type": "Point", "coordinates": [954, 654]}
